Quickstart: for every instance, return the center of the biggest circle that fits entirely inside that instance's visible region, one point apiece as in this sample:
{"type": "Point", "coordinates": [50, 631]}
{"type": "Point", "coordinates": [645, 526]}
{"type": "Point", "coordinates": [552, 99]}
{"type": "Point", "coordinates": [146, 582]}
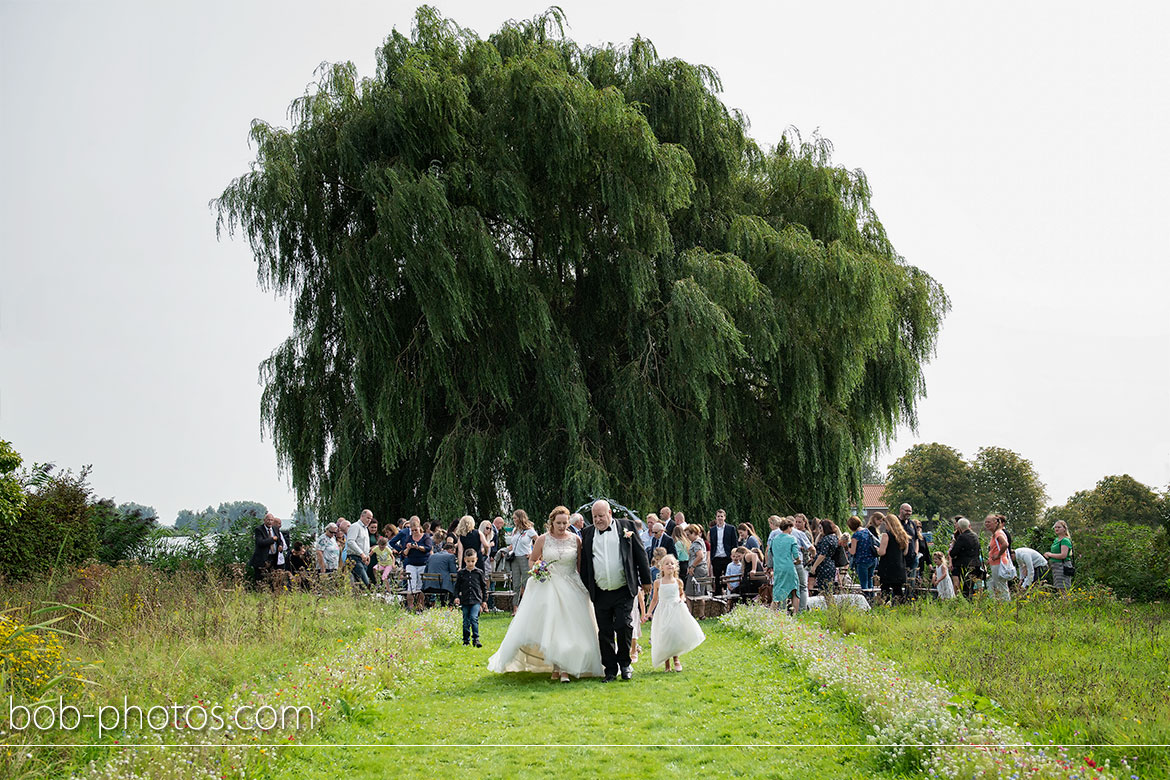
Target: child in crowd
{"type": "Point", "coordinates": [941, 578]}
{"type": "Point", "coordinates": [471, 595]}
{"type": "Point", "coordinates": [383, 559]}
{"type": "Point", "coordinates": [734, 569]}
{"type": "Point", "coordinates": [655, 565]}
{"type": "Point", "coordinates": [638, 616]}
{"type": "Point", "coordinates": [674, 631]}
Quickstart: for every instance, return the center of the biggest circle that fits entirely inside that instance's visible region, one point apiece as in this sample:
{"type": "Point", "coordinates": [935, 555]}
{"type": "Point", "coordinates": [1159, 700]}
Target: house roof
{"type": "Point", "coordinates": [873, 497]}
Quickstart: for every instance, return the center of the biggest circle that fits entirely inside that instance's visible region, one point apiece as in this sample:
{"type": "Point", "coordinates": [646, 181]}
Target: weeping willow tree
{"type": "Point", "coordinates": [527, 271]}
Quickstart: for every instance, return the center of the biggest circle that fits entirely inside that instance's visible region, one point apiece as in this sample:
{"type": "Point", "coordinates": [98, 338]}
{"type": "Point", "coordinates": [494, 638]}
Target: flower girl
{"type": "Point", "coordinates": [673, 631]}
{"type": "Point", "coordinates": [942, 577]}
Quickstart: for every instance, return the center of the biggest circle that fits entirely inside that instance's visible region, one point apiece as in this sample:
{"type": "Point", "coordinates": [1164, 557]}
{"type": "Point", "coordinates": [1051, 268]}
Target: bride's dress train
{"type": "Point", "coordinates": [554, 626]}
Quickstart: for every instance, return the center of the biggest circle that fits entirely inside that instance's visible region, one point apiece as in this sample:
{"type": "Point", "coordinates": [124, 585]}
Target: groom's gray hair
{"type": "Point", "coordinates": [600, 501]}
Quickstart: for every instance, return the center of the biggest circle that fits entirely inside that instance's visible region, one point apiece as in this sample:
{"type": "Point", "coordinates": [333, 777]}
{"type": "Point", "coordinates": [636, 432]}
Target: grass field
{"type": "Point", "coordinates": [415, 701]}
{"type": "Point", "coordinates": [1078, 669]}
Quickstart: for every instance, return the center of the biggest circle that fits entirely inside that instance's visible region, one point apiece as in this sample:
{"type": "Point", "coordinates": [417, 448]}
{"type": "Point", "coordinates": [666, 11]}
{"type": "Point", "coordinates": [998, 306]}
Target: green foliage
{"type": "Point", "coordinates": [932, 478]}
{"type": "Point", "coordinates": [1133, 560]}
{"type": "Point", "coordinates": [123, 530]}
{"type": "Point", "coordinates": [55, 527]}
{"type": "Point", "coordinates": [11, 493]}
{"type": "Point", "coordinates": [1003, 482]}
{"type": "Point", "coordinates": [1116, 499]}
{"type": "Point", "coordinates": [523, 267]}
{"type": "Point", "coordinates": [216, 520]}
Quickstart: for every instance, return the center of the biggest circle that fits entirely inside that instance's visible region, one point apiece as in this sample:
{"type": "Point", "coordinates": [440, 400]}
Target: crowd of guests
{"type": "Point", "coordinates": [884, 554]}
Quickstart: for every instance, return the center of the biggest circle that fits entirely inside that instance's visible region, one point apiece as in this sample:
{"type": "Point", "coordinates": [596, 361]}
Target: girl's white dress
{"type": "Point", "coordinates": [554, 625]}
{"type": "Point", "coordinates": [946, 588]}
{"type": "Point", "coordinates": [673, 630]}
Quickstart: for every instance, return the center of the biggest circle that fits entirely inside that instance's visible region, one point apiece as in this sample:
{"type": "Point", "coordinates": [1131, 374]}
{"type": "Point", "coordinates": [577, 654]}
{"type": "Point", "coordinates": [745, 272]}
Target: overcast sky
{"type": "Point", "coordinates": [1017, 152]}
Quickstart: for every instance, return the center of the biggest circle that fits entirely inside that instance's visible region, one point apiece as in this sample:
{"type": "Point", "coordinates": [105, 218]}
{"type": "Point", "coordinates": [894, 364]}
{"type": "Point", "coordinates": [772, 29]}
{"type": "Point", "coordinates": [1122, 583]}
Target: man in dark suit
{"type": "Point", "coordinates": [723, 541]}
{"type": "Point", "coordinates": [658, 538]}
{"type": "Point", "coordinates": [613, 566]}
{"type": "Point", "coordinates": [265, 541]}
{"type": "Point", "coordinates": [666, 517]}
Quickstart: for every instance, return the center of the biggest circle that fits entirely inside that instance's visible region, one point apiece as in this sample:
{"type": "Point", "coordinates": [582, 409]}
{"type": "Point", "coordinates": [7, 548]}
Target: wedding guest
{"type": "Point", "coordinates": [328, 551]}
{"type": "Point", "coordinates": [659, 554]}
{"type": "Point", "coordinates": [667, 519]}
{"type": "Point", "coordinates": [731, 574]}
{"type": "Point", "coordinates": [773, 531]}
{"type": "Point", "coordinates": [998, 555]}
{"type": "Point", "coordinates": [418, 550]}
{"type": "Point", "coordinates": [264, 540]}
{"type": "Point", "coordinates": [398, 541]}
{"type": "Point", "coordinates": [965, 557]}
{"type": "Point", "coordinates": [643, 534]}
{"type": "Point", "coordinates": [490, 545]}
{"type": "Point", "coordinates": [722, 543]}
{"type": "Point", "coordinates": [296, 561]}
{"type": "Point", "coordinates": [682, 550]}
{"type": "Point", "coordinates": [1029, 563]}
{"type": "Point", "coordinates": [659, 540]}
{"type": "Point", "coordinates": [283, 547]}
{"type": "Point", "coordinates": [577, 523]}
{"type": "Point", "coordinates": [674, 631]}
{"type": "Point", "coordinates": [471, 596]}
{"type": "Point", "coordinates": [382, 561]}
{"type": "Point", "coordinates": [442, 562]}
{"type": "Point", "coordinates": [905, 513]}
{"type": "Point", "coordinates": [1060, 556]}
{"type": "Point", "coordinates": [752, 563]}
{"type": "Point", "coordinates": [747, 537]}
{"type": "Point", "coordinates": [357, 544]}
{"type": "Point", "coordinates": [468, 537]}
{"type": "Point", "coordinates": [941, 578]}
{"type": "Point", "coordinates": [519, 550]}
{"type": "Point", "coordinates": [807, 555]}
{"type": "Point", "coordinates": [698, 555]}
{"type": "Point", "coordinates": [785, 555]}
{"type": "Point", "coordinates": [342, 533]}
{"type": "Point", "coordinates": [824, 567]}
{"type": "Point", "coordinates": [638, 616]}
{"type": "Point", "coordinates": [892, 545]}
{"type": "Point", "coordinates": [863, 548]}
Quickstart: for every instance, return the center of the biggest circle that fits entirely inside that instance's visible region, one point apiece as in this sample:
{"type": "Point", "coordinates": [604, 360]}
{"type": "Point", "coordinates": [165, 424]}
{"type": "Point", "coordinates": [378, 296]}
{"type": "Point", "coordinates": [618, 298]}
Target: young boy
{"type": "Point", "coordinates": [471, 595]}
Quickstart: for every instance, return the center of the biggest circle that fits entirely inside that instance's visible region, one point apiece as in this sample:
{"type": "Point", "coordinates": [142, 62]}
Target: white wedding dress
{"type": "Point", "coordinates": [672, 629]}
{"type": "Point", "coordinates": [554, 625]}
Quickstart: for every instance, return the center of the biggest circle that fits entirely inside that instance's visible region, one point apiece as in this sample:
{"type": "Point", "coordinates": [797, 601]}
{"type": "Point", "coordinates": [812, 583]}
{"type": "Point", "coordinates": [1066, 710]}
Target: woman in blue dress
{"type": "Point", "coordinates": [785, 553]}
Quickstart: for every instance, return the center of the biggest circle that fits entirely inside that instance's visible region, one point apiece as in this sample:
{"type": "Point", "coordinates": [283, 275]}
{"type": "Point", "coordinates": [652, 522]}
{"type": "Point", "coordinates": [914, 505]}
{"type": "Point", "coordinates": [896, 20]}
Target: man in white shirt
{"type": "Point", "coordinates": [723, 541]}
{"type": "Point", "coordinates": [613, 564]}
{"type": "Point", "coordinates": [1030, 563]}
{"type": "Point", "coordinates": [357, 542]}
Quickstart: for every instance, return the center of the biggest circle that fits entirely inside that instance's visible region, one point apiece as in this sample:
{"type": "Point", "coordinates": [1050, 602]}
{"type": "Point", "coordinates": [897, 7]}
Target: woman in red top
{"type": "Point", "coordinates": [999, 553]}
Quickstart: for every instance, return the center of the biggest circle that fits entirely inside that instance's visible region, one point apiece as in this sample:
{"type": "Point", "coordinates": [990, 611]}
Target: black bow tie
{"type": "Point", "coordinates": [605, 530]}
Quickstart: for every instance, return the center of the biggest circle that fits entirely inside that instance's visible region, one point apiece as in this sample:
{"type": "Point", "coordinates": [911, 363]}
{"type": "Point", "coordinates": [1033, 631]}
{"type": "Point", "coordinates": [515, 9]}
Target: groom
{"type": "Point", "coordinates": [613, 565]}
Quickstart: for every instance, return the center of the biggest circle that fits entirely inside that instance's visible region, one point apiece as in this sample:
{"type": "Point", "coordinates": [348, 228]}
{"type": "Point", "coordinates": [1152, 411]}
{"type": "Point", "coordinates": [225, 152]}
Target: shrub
{"type": "Point", "coordinates": [1133, 560]}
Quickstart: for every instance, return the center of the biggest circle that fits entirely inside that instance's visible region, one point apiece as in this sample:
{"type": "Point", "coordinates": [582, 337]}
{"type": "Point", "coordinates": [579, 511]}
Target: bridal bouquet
{"type": "Point", "coordinates": [540, 571]}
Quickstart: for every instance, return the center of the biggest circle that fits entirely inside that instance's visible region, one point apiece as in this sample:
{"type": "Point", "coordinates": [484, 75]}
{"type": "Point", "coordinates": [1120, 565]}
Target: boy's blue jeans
{"type": "Point", "coordinates": [470, 621]}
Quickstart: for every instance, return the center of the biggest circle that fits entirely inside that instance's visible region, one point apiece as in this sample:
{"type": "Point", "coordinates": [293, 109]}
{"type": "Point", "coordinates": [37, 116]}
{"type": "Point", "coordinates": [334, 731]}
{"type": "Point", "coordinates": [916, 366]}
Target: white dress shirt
{"type": "Point", "coordinates": [522, 543]}
{"type": "Point", "coordinates": [1029, 560]}
{"type": "Point", "coordinates": [607, 559]}
{"type": "Point", "coordinates": [718, 551]}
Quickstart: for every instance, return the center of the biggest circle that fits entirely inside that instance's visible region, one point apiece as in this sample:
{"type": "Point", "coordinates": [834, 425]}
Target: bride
{"type": "Point", "coordinates": [554, 630]}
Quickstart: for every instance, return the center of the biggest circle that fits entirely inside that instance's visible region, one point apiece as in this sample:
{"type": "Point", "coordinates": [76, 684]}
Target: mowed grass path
{"type": "Point", "coordinates": [657, 725]}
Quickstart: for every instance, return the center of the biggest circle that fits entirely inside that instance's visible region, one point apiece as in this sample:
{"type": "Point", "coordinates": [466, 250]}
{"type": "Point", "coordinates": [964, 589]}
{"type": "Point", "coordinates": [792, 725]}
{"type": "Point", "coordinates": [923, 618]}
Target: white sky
{"type": "Point", "coordinates": [1017, 152]}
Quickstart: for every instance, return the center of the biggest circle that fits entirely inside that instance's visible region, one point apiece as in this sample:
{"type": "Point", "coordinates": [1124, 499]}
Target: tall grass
{"type": "Point", "coordinates": [1078, 668]}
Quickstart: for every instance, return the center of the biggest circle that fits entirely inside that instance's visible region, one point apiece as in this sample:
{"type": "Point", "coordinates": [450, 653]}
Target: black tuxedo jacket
{"type": "Point", "coordinates": [263, 537]}
{"type": "Point", "coordinates": [730, 539]}
{"type": "Point", "coordinates": [633, 556]}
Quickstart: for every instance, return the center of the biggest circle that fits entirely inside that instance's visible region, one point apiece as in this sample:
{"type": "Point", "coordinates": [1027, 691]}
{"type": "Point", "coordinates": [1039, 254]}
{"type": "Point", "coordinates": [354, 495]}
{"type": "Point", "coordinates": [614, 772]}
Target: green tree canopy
{"type": "Point", "coordinates": [932, 478]}
{"type": "Point", "coordinates": [1005, 483]}
{"type": "Point", "coordinates": [526, 270]}
{"type": "Point", "coordinates": [1115, 499]}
